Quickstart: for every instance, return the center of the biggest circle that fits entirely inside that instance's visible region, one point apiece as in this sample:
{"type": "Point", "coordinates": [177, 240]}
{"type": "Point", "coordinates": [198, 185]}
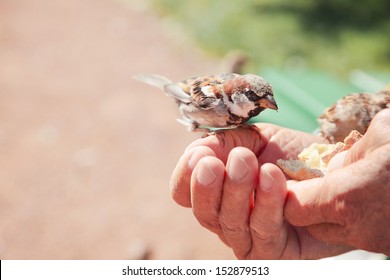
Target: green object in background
{"type": "Point", "coordinates": [303, 95]}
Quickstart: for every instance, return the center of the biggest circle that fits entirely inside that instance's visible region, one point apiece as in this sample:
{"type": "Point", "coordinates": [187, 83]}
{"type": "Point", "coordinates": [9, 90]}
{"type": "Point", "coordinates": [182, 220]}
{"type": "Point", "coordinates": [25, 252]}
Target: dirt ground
{"type": "Point", "coordinates": [85, 151]}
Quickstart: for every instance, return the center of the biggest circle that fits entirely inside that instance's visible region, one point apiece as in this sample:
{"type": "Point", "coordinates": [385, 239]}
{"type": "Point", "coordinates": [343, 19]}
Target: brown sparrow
{"type": "Point", "coordinates": [353, 112]}
{"type": "Point", "coordinates": [216, 101]}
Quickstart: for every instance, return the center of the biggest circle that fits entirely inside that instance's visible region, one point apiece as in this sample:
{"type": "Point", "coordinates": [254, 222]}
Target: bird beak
{"type": "Point", "coordinates": [269, 102]}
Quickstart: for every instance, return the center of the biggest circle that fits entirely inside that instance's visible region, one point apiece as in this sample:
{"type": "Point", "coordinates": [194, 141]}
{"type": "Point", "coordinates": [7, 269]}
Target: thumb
{"type": "Point", "coordinates": [320, 200]}
{"type": "Point", "coordinates": [302, 204]}
{"type": "Point", "coordinates": [374, 138]}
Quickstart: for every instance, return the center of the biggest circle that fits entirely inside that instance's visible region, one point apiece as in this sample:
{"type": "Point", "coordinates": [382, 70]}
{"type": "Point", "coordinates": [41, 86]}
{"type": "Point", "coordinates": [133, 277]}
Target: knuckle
{"type": "Point", "coordinates": [232, 228]}
{"type": "Point", "coordinates": [211, 224]}
{"type": "Point", "coordinates": [261, 234]}
{"type": "Point", "coordinates": [265, 231]}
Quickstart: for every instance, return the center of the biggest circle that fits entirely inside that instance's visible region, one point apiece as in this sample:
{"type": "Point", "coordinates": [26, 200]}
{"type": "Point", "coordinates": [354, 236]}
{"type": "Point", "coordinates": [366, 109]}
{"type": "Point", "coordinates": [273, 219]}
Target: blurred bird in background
{"type": "Point", "coordinates": [352, 112]}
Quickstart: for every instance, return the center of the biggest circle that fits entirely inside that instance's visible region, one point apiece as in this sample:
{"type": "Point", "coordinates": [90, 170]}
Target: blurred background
{"type": "Point", "coordinates": [86, 152]}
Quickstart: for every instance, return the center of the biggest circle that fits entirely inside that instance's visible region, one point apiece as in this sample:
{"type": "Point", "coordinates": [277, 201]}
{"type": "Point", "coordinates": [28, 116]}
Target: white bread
{"type": "Point", "coordinates": [313, 161]}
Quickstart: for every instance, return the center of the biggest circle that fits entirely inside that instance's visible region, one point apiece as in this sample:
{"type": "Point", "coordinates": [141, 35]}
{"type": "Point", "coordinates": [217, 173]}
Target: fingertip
{"type": "Point", "coordinates": [181, 197]}
{"type": "Point", "coordinates": [242, 164]}
{"type": "Point", "coordinates": [181, 176]}
{"type": "Point", "coordinates": [207, 170]}
{"type": "Point", "coordinates": [206, 191]}
{"type": "Point", "coordinates": [271, 176]}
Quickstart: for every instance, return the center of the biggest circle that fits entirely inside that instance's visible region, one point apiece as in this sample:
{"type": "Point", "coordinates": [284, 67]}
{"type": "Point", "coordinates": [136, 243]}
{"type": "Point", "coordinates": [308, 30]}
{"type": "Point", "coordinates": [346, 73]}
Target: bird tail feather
{"type": "Point", "coordinates": [153, 80]}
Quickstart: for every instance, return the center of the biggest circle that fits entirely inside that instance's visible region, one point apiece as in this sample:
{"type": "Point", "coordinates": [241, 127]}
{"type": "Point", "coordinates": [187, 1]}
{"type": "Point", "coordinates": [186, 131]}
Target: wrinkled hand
{"type": "Point", "coordinates": [351, 205]}
{"type": "Point", "coordinates": [237, 192]}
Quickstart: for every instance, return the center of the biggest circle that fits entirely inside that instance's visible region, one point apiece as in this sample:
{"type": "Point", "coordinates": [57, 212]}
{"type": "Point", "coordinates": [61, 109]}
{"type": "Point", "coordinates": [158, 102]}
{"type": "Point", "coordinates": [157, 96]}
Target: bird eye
{"type": "Point", "coordinates": [252, 96]}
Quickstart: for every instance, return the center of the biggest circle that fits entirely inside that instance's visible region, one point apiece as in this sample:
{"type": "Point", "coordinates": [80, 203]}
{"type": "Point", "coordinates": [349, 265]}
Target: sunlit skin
{"type": "Point", "coordinates": [236, 191]}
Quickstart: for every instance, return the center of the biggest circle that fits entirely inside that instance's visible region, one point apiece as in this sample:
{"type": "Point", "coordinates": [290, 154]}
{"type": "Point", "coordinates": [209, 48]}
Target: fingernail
{"type": "Point", "coordinates": [238, 169]}
{"type": "Point", "coordinates": [195, 157]}
{"type": "Point", "coordinates": [205, 175]}
{"type": "Point", "coordinates": [266, 181]}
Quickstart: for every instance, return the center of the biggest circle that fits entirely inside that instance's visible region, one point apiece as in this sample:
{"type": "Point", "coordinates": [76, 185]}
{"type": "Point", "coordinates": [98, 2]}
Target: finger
{"type": "Point", "coordinates": [206, 192]}
{"type": "Point", "coordinates": [181, 176]}
{"type": "Point", "coordinates": [237, 199]}
{"type": "Point", "coordinates": [324, 200]}
{"type": "Point", "coordinates": [268, 230]}
{"type": "Point", "coordinates": [222, 142]}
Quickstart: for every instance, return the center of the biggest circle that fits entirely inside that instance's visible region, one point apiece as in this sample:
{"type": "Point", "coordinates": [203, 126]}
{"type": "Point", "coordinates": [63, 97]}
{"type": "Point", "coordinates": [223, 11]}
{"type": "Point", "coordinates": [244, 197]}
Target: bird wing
{"type": "Point", "coordinates": [176, 92]}
{"type": "Point", "coordinates": [204, 90]}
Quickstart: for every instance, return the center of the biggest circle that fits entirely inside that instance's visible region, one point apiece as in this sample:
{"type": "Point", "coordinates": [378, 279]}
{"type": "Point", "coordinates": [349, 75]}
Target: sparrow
{"type": "Point", "coordinates": [352, 112]}
{"type": "Point", "coordinates": [216, 101]}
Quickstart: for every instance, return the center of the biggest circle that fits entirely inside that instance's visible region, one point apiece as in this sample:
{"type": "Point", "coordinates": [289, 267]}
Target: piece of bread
{"type": "Point", "coordinates": [313, 161]}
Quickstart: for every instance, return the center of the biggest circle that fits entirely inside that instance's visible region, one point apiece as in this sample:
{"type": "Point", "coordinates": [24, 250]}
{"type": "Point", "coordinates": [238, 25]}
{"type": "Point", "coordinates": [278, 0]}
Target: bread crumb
{"type": "Point", "coordinates": [313, 161]}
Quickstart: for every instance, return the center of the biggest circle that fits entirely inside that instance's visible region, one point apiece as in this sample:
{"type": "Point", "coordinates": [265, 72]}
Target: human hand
{"type": "Point", "coordinates": [237, 192]}
{"type": "Point", "coordinates": [350, 205]}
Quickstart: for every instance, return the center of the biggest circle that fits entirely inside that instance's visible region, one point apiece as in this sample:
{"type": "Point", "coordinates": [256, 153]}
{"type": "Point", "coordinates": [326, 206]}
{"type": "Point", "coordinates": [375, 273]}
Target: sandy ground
{"type": "Point", "coordinates": [85, 152]}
